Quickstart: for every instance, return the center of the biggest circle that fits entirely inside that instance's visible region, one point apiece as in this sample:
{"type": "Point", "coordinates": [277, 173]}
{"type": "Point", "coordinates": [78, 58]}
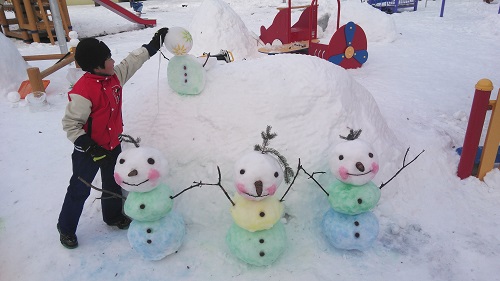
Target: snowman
{"type": "Point", "coordinates": [349, 224]}
{"type": "Point", "coordinates": [186, 74]}
{"type": "Point", "coordinates": [257, 235]}
{"type": "Point", "coordinates": [156, 231]}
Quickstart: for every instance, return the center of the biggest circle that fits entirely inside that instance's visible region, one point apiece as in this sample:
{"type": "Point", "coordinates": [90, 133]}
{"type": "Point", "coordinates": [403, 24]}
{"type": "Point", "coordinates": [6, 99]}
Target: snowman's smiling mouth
{"type": "Point", "coordinates": [135, 184]}
{"type": "Point", "coordinates": [357, 175]}
{"type": "Point", "coordinates": [257, 196]}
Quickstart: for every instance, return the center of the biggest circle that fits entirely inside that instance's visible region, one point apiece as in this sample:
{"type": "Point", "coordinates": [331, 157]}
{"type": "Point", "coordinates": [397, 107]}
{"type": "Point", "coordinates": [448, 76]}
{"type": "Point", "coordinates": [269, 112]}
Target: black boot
{"type": "Point", "coordinates": [67, 240]}
{"type": "Point", "coordinates": [121, 223]}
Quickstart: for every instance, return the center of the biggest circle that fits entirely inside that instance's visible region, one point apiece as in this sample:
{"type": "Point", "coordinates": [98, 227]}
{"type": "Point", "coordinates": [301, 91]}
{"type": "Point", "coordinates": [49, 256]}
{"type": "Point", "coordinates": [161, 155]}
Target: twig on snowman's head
{"type": "Point", "coordinates": [404, 166]}
{"type": "Point", "coordinates": [266, 137]}
{"type": "Point", "coordinates": [102, 190]}
{"type": "Point", "coordinates": [130, 139]}
{"type": "Point", "coordinates": [353, 134]}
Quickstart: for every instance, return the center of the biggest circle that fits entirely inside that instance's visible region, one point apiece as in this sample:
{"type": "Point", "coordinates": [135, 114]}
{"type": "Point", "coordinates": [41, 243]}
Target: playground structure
{"type": "Point", "coordinates": [489, 154]}
{"type": "Point", "coordinates": [393, 6]}
{"type": "Point", "coordinates": [124, 13]}
{"type": "Point", "coordinates": [33, 19]}
{"type": "Point", "coordinates": [35, 76]}
{"type": "Point", "coordinates": [347, 47]}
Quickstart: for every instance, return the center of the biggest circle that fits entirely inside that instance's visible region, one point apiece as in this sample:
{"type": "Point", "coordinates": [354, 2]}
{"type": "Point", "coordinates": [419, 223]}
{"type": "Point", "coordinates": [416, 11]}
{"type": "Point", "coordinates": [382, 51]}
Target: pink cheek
{"type": "Point", "coordinates": [153, 175]}
{"type": "Point", "coordinates": [343, 173]}
{"type": "Point", "coordinates": [375, 167]}
{"type": "Point", "coordinates": [240, 188]}
{"type": "Point", "coordinates": [271, 190]}
{"type": "Point", "coordinates": [118, 179]}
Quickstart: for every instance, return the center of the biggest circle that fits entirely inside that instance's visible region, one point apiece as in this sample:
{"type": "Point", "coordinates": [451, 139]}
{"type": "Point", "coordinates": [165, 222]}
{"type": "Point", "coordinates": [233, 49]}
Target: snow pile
{"type": "Point", "coordinates": [228, 32]}
{"type": "Point", "coordinates": [12, 68]}
{"type": "Point", "coordinates": [378, 26]}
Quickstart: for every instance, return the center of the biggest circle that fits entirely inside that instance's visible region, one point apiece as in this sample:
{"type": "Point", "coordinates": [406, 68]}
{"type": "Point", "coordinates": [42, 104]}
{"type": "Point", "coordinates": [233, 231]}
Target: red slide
{"type": "Point", "coordinates": [119, 10]}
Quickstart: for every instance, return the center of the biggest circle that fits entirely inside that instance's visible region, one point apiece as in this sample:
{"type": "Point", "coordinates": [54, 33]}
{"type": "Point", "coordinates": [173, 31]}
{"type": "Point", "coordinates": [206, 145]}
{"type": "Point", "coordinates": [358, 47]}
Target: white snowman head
{"type": "Point", "coordinates": [354, 161]}
{"type": "Point", "coordinates": [178, 41]}
{"type": "Point", "coordinates": [257, 175]}
{"type": "Point", "coordinates": [140, 169]}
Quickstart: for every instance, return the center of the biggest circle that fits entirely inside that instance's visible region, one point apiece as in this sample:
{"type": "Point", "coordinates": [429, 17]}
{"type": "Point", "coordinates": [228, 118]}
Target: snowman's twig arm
{"type": "Point", "coordinates": [290, 186]}
{"type": "Point", "coordinates": [404, 166]}
{"type": "Point", "coordinates": [188, 188]}
{"type": "Point", "coordinates": [219, 185]}
{"type": "Point", "coordinates": [311, 176]}
{"type": "Point", "coordinates": [101, 190]}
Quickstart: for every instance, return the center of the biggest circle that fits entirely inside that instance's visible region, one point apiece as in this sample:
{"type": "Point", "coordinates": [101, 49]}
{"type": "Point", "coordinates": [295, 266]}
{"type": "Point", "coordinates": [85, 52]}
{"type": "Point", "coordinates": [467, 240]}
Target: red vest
{"type": "Point", "coordinates": [105, 122]}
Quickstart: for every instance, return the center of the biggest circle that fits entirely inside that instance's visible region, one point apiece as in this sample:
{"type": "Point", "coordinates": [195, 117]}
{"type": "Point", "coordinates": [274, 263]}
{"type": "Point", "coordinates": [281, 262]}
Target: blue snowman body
{"type": "Point", "coordinates": [154, 240]}
{"type": "Point", "coordinates": [349, 224]}
{"type": "Point", "coordinates": [155, 231]}
{"type": "Point", "coordinates": [350, 232]}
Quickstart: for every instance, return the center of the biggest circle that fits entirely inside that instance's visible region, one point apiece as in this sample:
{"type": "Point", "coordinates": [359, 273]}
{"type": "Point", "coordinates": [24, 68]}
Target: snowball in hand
{"type": "Point", "coordinates": [140, 169]}
{"type": "Point", "coordinates": [347, 232]}
{"type": "Point", "coordinates": [158, 239]}
{"type": "Point", "coordinates": [354, 162]}
{"type": "Point", "coordinates": [258, 248]}
{"type": "Point", "coordinates": [178, 41]}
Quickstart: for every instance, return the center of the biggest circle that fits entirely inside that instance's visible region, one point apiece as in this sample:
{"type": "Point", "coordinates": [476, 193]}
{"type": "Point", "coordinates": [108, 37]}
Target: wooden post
{"type": "Point", "coordinates": [474, 127]}
{"type": "Point", "coordinates": [35, 79]}
{"type": "Point", "coordinates": [32, 22]}
{"type": "Point", "coordinates": [491, 141]}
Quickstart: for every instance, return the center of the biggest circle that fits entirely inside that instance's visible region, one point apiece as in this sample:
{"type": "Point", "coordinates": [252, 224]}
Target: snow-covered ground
{"type": "Point", "coordinates": [414, 91]}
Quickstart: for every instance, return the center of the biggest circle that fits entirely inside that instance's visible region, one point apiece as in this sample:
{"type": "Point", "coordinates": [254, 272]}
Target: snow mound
{"type": "Point", "coordinates": [323, 102]}
{"type": "Point", "coordinates": [228, 32]}
{"type": "Point", "coordinates": [12, 68]}
{"type": "Point", "coordinates": [378, 26]}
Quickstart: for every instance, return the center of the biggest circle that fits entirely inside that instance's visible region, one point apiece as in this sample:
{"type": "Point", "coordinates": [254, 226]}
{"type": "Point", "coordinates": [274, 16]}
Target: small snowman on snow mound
{"type": "Point", "coordinates": [186, 74]}
{"type": "Point", "coordinates": [257, 235]}
{"type": "Point", "coordinates": [156, 231]}
{"type": "Point", "coordinates": [349, 224]}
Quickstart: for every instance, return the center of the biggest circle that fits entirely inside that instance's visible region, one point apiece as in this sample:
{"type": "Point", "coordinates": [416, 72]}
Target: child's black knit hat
{"type": "Point", "coordinates": [91, 53]}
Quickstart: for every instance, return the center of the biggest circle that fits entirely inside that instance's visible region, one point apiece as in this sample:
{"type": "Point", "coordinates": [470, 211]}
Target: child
{"type": "Point", "coordinates": [137, 6]}
{"type": "Point", "coordinates": [93, 122]}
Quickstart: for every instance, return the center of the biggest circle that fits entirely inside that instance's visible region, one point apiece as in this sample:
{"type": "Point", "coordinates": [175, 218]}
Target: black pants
{"type": "Point", "coordinates": [78, 192]}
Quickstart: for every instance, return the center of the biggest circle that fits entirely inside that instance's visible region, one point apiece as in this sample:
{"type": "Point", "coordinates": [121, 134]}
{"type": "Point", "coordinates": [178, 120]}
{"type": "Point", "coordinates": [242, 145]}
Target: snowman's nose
{"type": "Point", "coordinates": [258, 187]}
{"type": "Point", "coordinates": [360, 166]}
{"type": "Point", "coordinates": [133, 173]}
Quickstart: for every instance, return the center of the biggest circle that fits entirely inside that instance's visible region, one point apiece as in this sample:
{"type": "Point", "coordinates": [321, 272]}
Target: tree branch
{"type": "Point", "coordinates": [404, 166]}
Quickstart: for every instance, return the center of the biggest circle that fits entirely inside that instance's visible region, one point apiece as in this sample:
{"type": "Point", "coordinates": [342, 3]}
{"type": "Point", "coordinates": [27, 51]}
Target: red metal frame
{"type": "Point", "coordinates": [281, 28]}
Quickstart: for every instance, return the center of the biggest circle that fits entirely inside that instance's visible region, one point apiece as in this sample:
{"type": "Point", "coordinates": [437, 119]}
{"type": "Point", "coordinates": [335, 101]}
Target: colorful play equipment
{"type": "Point", "coordinates": [393, 6]}
{"type": "Point", "coordinates": [347, 47]}
{"type": "Point", "coordinates": [33, 19]}
{"type": "Point", "coordinates": [126, 14]}
{"type": "Point", "coordinates": [489, 153]}
{"type": "Point", "coordinates": [35, 76]}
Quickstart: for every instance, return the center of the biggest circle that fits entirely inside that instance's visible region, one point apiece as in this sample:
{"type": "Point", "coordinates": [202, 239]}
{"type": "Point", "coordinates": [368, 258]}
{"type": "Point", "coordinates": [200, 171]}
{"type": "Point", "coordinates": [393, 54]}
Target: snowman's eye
{"type": "Point", "coordinates": [122, 161]}
{"type": "Point", "coordinates": [242, 171]}
{"type": "Point", "coordinates": [276, 174]}
{"type": "Point", "coordinates": [151, 161]}
{"type": "Point", "coordinates": [370, 155]}
{"type": "Point", "coordinates": [341, 157]}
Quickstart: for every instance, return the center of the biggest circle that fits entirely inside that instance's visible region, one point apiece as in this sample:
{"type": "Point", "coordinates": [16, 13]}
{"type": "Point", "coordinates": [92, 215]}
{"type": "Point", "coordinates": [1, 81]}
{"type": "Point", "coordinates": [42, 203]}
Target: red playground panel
{"type": "Point", "coordinates": [281, 28]}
